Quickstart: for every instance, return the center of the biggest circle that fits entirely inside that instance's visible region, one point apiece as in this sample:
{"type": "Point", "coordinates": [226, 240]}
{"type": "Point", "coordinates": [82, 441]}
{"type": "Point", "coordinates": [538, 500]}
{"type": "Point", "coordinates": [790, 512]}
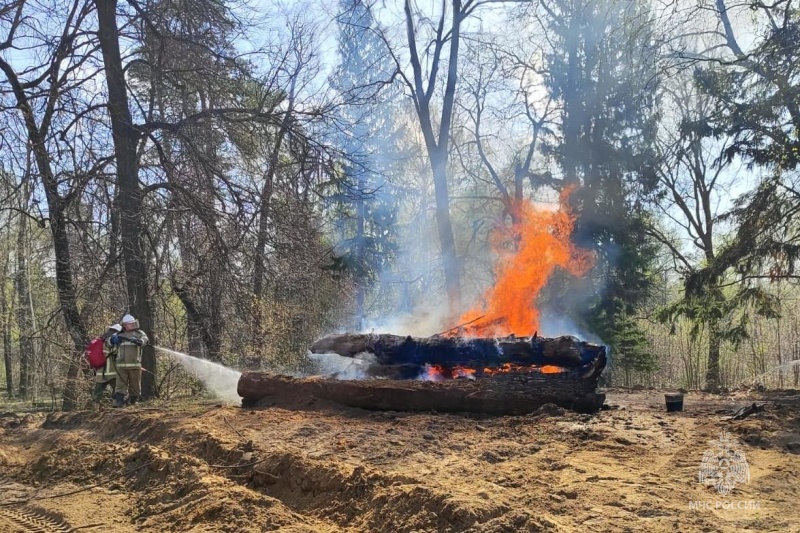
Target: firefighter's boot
{"type": "Point", "coordinates": [118, 399]}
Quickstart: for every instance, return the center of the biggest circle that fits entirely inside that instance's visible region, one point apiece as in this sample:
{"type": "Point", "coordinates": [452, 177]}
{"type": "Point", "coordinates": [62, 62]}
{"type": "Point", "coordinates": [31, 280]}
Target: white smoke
{"type": "Point", "coordinates": [218, 379]}
{"type": "Point", "coordinates": [553, 326]}
{"type": "Point", "coordinates": [426, 320]}
{"type": "Point", "coordinates": [340, 367]}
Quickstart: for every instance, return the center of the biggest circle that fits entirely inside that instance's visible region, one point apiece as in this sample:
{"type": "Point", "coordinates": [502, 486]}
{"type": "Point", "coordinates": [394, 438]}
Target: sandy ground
{"type": "Point", "coordinates": [300, 468]}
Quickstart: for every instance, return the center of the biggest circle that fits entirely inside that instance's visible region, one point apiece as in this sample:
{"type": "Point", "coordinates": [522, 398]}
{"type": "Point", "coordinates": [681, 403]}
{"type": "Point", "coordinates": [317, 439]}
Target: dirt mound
{"type": "Point", "coordinates": [205, 478]}
{"type": "Point", "coordinates": [366, 497]}
{"type": "Point", "coordinates": [170, 490]}
{"type": "Point", "coordinates": [227, 469]}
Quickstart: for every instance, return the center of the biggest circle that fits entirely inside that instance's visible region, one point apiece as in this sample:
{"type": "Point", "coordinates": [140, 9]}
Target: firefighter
{"type": "Point", "coordinates": [108, 374]}
{"type": "Point", "coordinates": [129, 344]}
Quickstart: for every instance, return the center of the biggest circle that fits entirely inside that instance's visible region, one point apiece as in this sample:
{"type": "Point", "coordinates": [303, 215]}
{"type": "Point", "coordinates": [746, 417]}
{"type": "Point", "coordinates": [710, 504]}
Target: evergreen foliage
{"type": "Point", "coordinates": [363, 202]}
{"type": "Point", "coordinates": [603, 69]}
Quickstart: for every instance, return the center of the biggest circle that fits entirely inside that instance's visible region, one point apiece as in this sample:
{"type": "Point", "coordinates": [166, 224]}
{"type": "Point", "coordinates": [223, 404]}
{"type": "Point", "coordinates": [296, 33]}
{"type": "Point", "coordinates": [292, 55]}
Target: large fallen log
{"type": "Point", "coordinates": [567, 352]}
{"type": "Point", "coordinates": [511, 393]}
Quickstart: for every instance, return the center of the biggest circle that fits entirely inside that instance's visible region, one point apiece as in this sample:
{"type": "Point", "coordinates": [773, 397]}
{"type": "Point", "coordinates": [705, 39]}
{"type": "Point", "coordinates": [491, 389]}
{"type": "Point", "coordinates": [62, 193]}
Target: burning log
{"type": "Point", "coordinates": [497, 376]}
{"type": "Point", "coordinates": [567, 352]}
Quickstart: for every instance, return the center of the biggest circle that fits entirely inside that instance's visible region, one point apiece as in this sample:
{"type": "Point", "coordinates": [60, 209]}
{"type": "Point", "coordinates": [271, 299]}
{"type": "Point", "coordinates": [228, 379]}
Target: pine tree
{"type": "Point", "coordinates": [364, 201]}
{"type": "Point", "coordinates": [602, 69]}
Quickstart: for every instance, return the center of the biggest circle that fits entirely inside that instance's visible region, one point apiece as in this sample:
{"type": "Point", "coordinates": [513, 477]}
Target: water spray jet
{"type": "Point", "coordinates": [218, 379]}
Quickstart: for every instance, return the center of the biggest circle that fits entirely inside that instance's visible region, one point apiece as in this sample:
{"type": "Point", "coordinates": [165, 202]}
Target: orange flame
{"type": "Point", "coordinates": [508, 368]}
{"type": "Point", "coordinates": [440, 373]}
{"type": "Point", "coordinates": [528, 253]}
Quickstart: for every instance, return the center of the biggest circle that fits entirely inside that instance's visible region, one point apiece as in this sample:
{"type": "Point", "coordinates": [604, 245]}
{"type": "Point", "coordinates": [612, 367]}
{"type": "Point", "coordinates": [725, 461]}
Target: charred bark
{"type": "Point", "coordinates": [516, 390]}
{"type": "Point", "coordinates": [748, 410]}
{"type": "Point", "coordinates": [566, 352]}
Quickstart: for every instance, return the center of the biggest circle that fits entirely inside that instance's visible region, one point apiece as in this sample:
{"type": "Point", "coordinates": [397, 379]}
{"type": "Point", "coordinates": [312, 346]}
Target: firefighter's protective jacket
{"type": "Point", "coordinates": [129, 354]}
{"type": "Point", "coordinates": [108, 372]}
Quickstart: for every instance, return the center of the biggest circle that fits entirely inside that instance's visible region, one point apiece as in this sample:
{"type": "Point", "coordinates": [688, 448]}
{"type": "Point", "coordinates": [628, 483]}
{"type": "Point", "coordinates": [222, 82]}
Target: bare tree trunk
{"type": "Point", "coordinates": [259, 264]}
{"type": "Point", "coordinates": [573, 113]}
{"type": "Point", "coordinates": [56, 206]}
{"type": "Point", "coordinates": [712, 372]}
{"type": "Point", "coordinates": [5, 317]}
{"type": "Point", "coordinates": [438, 146]}
{"type": "Point", "coordinates": [215, 321]}
{"type": "Point", "coordinates": [193, 331]}
{"type": "Point", "coordinates": [204, 329]}
{"type": "Point", "coordinates": [360, 250]}
{"type": "Point", "coordinates": [452, 268]}
{"type": "Point", "coordinates": [129, 200]}
{"type": "Point", "coordinates": [795, 350]}
{"type": "Point", "coordinates": [64, 282]}
{"type": "Point", "coordinates": [779, 350]}
{"type": "Point", "coordinates": [7, 356]}
{"type": "Point", "coordinates": [23, 312]}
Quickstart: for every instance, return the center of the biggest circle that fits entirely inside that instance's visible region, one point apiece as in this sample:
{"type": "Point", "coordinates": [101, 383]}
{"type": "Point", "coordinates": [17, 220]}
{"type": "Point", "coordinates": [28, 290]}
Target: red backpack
{"type": "Point", "coordinates": [94, 353]}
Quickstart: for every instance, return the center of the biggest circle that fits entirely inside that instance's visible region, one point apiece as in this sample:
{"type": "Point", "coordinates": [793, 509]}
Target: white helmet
{"type": "Point", "coordinates": [115, 327]}
{"type": "Point", "coordinates": [128, 319]}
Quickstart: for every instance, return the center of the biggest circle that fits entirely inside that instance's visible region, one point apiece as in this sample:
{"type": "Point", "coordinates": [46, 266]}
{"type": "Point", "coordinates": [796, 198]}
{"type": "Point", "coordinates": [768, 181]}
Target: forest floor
{"type": "Point", "coordinates": [300, 468]}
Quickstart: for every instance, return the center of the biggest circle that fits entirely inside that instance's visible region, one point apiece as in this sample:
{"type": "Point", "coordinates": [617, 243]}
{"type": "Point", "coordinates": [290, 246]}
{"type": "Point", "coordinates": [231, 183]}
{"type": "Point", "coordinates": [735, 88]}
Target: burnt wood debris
{"type": "Point", "coordinates": [508, 375]}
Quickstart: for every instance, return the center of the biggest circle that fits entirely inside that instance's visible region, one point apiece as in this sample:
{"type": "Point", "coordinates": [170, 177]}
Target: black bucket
{"type": "Point", "coordinates": [674, 402]}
